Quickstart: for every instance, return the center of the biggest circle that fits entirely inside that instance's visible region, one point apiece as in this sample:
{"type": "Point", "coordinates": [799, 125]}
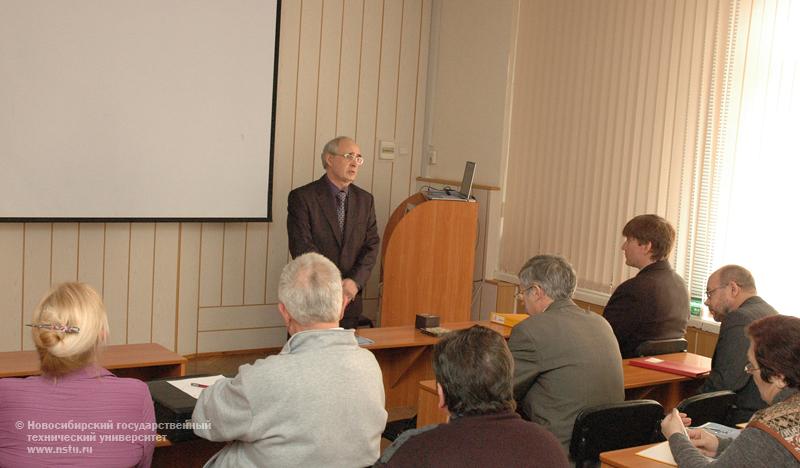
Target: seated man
{"type": "Point", "coordinates": [733, 301]}
{"type": "Point", "coordinates": [320, 402]}
{"type": "Point", "coordinates": [473, 370]}
{"type": "Point", "coordinates": [654, 304]}
{"type": "Point", "coordinates": [565, 358]}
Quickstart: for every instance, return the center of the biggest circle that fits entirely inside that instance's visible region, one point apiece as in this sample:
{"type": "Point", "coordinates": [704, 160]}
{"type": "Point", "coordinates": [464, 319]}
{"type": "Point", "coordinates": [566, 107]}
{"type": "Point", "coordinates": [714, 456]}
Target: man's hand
{"type": "Point", "coordinates": [349, 289]}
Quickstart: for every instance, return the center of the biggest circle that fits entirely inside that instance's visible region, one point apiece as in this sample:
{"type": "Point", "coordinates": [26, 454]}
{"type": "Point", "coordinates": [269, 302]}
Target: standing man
{"type": "Point", "coordinates": [473, 369]}
{"type": "Point", "coordinates": [335, 218]}
{"type": "Point", "coordinates": [654, 304]}
{"type": "Point", "coordinates": [565, 358]}
{"type": "Point", "coordinates": [733, 301]}
{"type": "Point", "coordinates": [287, 410]}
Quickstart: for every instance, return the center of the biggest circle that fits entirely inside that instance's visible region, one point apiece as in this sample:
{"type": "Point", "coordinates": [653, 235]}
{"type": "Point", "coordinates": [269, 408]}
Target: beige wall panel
{"type": "Point", "coordinates": [216, 341]}
{"type": "Point", "coordinates": [385, 122]}
{"type": "Point", "coordinates": [233, 256]}
{"type": "Point", "coordinates": [230, 318]}
{"type": "Point", "coordinates": [188, 287]}
{"type": "Point", "coordinates": [140, 283]}
{"type": "Point", "coordinates": [486, 303]}
{"type": "Point", "coordinates": [65, 253]}
{"type": "Point", "coordinates": [211, 242]}
{"type": "Point", "coordinates": [328, 85]}
{"type": "Point", "coordinates": [115, 284]}
{"type": "Point", "coordinates": [255, 263]}
{"type": "Point", "coordinates": [349, 67]}
{"type": "Point", "coordinates": [278, 246]}
{"type": "Point", "coordinates": [36, 277]}
{"type": "Point", "coordinates": [91, 250]}
{"type": "Point", "coordinates": [306, 156]}
{"type": "Point", "coordinates": [371, 38]}
{"type": "Point", "coordinates": [406, 102]}
{"type": "Point", "coordinates": [416, 144]}
{"type": "Point", "coordinates": [165, 284]}
{"type": "Point", "coordinates": [11, 269]}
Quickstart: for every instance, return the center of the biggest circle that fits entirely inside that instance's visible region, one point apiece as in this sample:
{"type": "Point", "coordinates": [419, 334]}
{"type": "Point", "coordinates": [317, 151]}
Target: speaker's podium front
{"type": "Point", "coordinates": [428, 257]}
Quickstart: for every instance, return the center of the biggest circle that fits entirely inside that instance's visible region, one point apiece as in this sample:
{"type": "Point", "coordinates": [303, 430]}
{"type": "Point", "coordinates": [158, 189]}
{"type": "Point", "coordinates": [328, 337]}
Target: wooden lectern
{"type": "Point", "coordinates": [428, 257]}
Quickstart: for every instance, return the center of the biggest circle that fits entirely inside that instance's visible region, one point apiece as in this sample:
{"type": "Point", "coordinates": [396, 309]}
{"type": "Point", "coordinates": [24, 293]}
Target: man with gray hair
{"type": "Point", "coordinates": [733, 301]}
{"type": "Point", "coordinates": [291, 409]}
{"type": "Point", "coordinates": [565, 358]}
{"type": "Point", "coordinates": [335, 218]}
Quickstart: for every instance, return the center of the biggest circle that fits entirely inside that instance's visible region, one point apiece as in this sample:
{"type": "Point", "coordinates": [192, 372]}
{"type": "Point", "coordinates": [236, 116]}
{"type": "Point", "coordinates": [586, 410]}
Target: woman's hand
{"type": "Point", "coordinates": [704, 441]}
{"type": "Point", "coordinates": [675, 422]}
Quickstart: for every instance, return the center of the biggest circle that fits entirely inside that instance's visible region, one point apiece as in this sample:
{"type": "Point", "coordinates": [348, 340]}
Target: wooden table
{"type": "Point", "coordinates": [145, 361]}
{"type": "Point", "coordinates": [627, 458]}
{"type": "Point", "coordinates": [405, 356]}
{"type": "Point", "coordinates": [639, 383]}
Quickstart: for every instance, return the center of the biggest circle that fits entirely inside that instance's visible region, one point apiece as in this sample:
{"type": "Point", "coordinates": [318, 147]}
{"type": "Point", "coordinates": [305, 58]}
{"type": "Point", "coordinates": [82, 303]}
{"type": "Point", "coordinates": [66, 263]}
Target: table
{"type": "Point", "coordinates": [639, 383]}
{"type": "Point", "coordinates": [627, 458]}
{"type": "Point", "coordinates": [405, 356]}
{"type": "Point", "coordinates": [144, 361]}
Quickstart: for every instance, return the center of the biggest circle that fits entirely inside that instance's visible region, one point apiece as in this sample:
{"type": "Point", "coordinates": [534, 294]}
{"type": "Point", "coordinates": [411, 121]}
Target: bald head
{"type": "Point", "coordinates": [727, 289]}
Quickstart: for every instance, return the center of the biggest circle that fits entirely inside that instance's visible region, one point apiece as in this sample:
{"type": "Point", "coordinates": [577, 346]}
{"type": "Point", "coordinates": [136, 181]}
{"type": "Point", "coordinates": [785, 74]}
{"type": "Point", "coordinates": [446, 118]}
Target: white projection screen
{"type": "Point", "coordinates": [128, 110]}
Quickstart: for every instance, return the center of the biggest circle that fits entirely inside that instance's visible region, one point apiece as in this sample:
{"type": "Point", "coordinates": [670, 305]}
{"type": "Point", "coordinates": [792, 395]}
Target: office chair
{"type": "Point", "coordinates": [708, 407]}
{"type": "Point", "coordinates": [614, 426]}
{"type": "Point", "coordinates": [654, 347]}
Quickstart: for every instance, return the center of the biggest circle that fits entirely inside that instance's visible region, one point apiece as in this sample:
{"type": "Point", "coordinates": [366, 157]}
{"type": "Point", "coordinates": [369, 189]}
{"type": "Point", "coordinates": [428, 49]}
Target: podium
{"type": "Point", "coordinates": [428, 257]}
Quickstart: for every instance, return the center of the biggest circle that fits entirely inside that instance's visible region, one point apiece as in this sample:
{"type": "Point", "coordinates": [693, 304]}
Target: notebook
{"type": "Point", "coordinates": [464, 193]}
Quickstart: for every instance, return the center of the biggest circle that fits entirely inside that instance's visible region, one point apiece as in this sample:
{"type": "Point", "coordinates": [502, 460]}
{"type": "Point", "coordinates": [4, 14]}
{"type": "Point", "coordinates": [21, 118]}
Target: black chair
{"type": "Point", "coordinates": [709, 407]}
{"type": "Point", "coordinates": [655, 347]}
{"type": "Point", "coordinates": [614, 426]}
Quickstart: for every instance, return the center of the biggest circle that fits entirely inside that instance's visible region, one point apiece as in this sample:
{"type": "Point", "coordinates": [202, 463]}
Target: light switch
{"type": "Point", "coordinates": [386, 150]}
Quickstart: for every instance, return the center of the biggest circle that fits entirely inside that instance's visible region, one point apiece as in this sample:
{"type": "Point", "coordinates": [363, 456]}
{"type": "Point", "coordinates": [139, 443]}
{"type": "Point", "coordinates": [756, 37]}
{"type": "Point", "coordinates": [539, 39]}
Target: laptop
{"type": "Point", "coordinates": [463, 194]}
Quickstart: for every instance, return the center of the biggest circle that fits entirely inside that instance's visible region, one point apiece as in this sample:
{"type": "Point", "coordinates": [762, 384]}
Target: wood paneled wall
{"type": "Point", "coordinates": [352, 67]}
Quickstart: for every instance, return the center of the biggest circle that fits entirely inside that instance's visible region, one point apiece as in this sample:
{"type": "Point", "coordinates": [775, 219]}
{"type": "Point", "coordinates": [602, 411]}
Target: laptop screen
{"type": "Point", "coordinates": [466, 182]}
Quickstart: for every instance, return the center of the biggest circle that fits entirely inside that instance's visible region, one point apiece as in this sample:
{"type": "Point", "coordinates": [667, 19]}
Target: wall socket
{"type": "Point", "coordinates": [386, 150]}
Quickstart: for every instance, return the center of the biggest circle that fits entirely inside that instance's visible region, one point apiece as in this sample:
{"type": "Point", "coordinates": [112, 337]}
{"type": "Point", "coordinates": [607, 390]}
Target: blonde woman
{"type": "Point", "coordinates": [75, 412]}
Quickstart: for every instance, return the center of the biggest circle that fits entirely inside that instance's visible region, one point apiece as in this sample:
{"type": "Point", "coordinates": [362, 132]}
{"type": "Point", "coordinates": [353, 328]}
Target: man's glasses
{"type": "Point", "coordinates": [359, 160]}
{"type": "Point", "coordinates": [750, 368]}
{"type": "Point", "coordinates": [520, 294]}
{"type": "Point", "coordinates": [710, 292]}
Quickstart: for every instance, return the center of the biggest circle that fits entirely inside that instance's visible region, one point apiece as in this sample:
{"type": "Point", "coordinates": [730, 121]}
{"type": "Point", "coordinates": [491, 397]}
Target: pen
{"type": "Point", "coordinates": [195, 384]}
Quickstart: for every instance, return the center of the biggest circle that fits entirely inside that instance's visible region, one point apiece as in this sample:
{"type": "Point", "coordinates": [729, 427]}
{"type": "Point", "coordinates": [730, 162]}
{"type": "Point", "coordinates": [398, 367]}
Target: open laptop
{"type": "Point", "coordinates": [463, 194]}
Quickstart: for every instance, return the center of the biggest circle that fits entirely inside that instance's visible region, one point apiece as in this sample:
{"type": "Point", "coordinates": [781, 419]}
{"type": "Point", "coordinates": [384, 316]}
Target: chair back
{"type": "Point", "coordinates": [655, 347]}
{"type": "Point", "coordinates": [614, 426]}
{"type": "Point", "coordinates": [709, 407]}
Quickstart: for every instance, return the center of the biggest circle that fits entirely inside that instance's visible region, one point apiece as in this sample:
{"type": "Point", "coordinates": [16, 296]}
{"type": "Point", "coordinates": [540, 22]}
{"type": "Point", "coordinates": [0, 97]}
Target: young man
{"type": "Point", "coordinates": [654, 304]}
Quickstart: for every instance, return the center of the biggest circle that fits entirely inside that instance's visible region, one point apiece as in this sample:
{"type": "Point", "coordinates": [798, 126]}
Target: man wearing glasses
{"type": "Point", "coordinates": [733, 301]}
{"type": "Point", "coordinates": [335, 218]}
{"type": "Point", "coordinates": [565, 358]}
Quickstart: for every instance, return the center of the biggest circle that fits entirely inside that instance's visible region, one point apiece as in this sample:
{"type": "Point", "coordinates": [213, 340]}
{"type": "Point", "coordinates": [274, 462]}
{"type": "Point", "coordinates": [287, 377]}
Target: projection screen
{"type": "Point", "coordinates": [137, 109]}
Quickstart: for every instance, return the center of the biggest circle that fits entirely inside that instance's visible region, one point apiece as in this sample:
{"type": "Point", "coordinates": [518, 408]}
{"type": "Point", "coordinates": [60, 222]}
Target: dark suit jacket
{"type": "Point", "coordinates": [653, 305]}
{"type": "Point", "coordinates": [730, 357]}
{"type": "Point", "coordinates": [564, 360]}
{"type": "Point", "coordinates": [313, 227]}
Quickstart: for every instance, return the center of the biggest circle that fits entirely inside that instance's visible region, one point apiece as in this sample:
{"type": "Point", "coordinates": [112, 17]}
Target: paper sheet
{"type": "Point", "coordinates": [363, 340]}
{"type": "Point", "coordinates": [185, 385]}
{"type": "Point", "coordinates": [660, 453]}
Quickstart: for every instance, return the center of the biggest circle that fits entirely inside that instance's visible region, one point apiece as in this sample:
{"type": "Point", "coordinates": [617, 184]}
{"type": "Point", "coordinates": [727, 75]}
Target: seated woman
{"type": "Point", "coordinates": [76, 412]}
{"type": "Point", "coordinates": [772, 437]}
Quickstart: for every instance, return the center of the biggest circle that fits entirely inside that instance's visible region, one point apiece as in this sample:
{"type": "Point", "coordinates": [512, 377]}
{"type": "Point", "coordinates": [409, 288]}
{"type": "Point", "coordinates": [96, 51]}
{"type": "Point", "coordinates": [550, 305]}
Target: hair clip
{"type": "Point", "coordinates": [55, 327]}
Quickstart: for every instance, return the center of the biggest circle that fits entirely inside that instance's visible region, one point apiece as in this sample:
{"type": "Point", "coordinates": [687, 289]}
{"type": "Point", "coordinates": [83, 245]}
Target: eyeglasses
{"type": "Point", "coordinates": [520, 294]}
{"type": "Point", "coordinates": [750, 368]}
{"type": "Point", "coordinates": [352, 157]}
{"type": "Point", "coordinates": [710, 292]}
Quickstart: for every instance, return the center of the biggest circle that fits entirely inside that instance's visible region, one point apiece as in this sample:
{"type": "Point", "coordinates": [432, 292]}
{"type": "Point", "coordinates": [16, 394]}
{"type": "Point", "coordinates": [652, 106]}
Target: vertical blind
{"type": "Point", "coordinates": [618, 110]}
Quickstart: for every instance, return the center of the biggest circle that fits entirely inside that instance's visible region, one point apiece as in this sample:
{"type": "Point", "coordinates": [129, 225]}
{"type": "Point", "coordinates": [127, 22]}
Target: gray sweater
{"type": "Point", "coordinates": [320, 402]}
{"type": "Point", "coordinates": [753, 448]}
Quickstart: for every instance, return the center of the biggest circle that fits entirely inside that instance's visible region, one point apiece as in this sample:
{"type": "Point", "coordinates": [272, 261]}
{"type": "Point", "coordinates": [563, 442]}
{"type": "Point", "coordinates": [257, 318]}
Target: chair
{"type": "Point", "coordinates": [614, 426]}
{"type": "Point", "coordinates": [654, 347]}
{"type": "Point", "coordinates": [708, 407]}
